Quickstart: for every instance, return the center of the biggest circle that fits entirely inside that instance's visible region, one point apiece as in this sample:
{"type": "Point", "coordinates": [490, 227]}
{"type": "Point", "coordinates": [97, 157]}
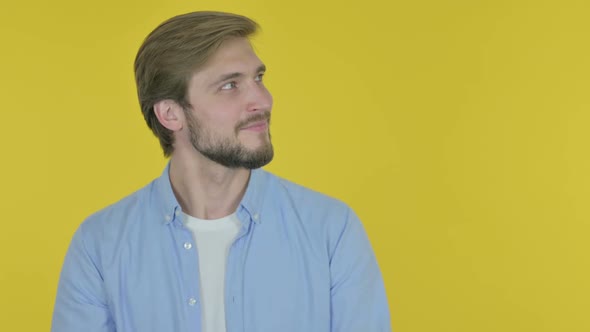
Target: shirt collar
{"type": "Point", "coordinates": [169, 209]}
{"type": "Point", "coordinates": [255, 193]}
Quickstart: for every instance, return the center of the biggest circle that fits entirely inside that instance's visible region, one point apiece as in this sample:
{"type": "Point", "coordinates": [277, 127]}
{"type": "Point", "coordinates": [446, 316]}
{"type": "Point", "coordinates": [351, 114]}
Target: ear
{"type": "Point", "coordinates": [170, 114]}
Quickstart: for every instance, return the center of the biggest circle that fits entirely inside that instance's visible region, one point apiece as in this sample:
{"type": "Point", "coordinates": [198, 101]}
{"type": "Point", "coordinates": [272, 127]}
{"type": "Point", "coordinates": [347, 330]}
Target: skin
{"type": "Point", "coordinates": [235, 112]}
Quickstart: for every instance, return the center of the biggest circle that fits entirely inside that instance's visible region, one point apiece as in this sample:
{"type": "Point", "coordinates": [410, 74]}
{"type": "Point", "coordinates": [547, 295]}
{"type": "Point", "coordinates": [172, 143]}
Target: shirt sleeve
{"type": "Point", "coordinates": [358, 298]}
{"type": "Point", "coordinates": [81, 300]}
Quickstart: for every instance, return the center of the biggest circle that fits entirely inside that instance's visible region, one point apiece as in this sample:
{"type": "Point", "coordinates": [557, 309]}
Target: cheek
{"type": "Point", "coordinates": [224, 119]}
{"type": "Point", "coordinates": [219, 112]}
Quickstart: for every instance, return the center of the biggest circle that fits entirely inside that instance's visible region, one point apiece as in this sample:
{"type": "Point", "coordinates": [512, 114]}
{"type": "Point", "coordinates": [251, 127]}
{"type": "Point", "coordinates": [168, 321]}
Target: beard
{"type": "Point", "coordinates": [226, 151]}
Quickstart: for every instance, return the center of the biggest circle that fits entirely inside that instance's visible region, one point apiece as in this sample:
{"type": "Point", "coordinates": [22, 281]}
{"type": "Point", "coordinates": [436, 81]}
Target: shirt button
{"type": "Point", "coordinates": [168, 218]}
{"type": "Point", "coordinates": [187, 245]}
{"type": "Point", "coordinates": [255, 216]}
{"type": "Point", "coordinates": [192, 301]}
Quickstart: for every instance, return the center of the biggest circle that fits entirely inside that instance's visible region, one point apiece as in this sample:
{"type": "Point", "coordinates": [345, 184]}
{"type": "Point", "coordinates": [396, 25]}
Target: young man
{"type": "Point", "coordinates": [215, 243]}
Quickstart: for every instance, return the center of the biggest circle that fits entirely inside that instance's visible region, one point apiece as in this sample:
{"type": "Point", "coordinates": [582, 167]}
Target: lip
{"type": "Point", "coordinates": [257, 126]}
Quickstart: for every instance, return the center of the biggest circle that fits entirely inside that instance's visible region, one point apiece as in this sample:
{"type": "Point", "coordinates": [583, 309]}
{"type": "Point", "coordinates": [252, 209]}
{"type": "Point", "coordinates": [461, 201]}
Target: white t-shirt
{"type": "Point", "coordinates": [213, 239]}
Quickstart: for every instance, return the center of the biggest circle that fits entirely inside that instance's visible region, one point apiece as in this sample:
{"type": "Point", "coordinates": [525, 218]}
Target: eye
{"type": "Point", "coordinates": [228, 86]}
{"type": "Point", "coordinates": [259, 77]}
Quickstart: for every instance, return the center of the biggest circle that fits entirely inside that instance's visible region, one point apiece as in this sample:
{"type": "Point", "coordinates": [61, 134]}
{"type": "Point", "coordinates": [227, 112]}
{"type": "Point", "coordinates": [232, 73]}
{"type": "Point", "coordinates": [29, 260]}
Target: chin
{"type": "Point", "coordinates": [258, 148]}
{"type": "Point", "coordinates": [256, 143]}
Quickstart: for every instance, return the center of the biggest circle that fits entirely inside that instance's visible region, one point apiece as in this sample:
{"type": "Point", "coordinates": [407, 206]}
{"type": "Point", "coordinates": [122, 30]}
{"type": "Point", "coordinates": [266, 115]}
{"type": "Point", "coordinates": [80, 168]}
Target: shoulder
{"type": "Point", "coordinates": [323, 217]}
{"type": "Point", "coordinates": [317, 212]}
{"type": "Point", "coordinates": [304, 198]}
{"type": "Point", "coordinates": [117, 218]}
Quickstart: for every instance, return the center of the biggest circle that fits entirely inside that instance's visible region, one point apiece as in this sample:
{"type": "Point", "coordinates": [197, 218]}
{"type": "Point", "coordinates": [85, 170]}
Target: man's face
{"type": "Point", "coordinates": [230, 115]}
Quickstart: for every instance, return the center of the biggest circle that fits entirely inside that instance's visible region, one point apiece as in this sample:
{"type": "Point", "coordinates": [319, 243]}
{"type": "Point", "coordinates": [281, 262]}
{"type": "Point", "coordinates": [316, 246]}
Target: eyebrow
{"type": "Point", "coordinates": [225, 77]}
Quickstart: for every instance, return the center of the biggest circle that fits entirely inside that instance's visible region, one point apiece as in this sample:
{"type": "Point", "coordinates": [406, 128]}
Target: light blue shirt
{"type": "Point", "coordinates": [301, 262]}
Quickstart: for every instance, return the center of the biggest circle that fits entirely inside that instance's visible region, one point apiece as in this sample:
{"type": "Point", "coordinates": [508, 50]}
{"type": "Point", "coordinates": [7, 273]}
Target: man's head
{"type": "Point", "coordinates": [200, 84]}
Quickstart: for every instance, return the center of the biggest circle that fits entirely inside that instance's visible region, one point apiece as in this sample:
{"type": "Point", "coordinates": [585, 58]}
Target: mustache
{"type": "Point", "coordinates": [252, 119]}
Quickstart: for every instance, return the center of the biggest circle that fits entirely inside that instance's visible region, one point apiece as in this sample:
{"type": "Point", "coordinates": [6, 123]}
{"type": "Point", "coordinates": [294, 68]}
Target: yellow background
{"type": "Point", "coordinates": [458, 131]}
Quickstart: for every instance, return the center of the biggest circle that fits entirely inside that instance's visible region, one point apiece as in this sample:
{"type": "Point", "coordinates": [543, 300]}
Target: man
{"type": "Point", "coordinates": [215, 243]}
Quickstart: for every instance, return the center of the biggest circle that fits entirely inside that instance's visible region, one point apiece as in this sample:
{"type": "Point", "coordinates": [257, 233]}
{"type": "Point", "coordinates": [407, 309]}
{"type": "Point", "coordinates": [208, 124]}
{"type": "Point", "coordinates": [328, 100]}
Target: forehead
{"type": "Point", "coordinates": [233, 55]}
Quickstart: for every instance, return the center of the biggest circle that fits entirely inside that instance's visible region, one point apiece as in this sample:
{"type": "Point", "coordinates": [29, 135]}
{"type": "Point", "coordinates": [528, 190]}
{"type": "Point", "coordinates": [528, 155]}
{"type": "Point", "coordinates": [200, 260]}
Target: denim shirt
{"type": "Point", "coordinates": [301, 262]}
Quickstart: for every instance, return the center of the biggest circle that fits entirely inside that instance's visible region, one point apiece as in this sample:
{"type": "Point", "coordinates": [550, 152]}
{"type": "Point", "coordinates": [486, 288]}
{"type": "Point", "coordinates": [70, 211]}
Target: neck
{"type": "Point", "coordinates": [205, 189]}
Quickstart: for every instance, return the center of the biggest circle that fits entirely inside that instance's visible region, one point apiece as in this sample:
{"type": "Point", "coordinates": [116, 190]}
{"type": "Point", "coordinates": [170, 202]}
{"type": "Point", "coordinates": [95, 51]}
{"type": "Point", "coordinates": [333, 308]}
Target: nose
{"type": "Point", "coordinates": [259, 98]}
